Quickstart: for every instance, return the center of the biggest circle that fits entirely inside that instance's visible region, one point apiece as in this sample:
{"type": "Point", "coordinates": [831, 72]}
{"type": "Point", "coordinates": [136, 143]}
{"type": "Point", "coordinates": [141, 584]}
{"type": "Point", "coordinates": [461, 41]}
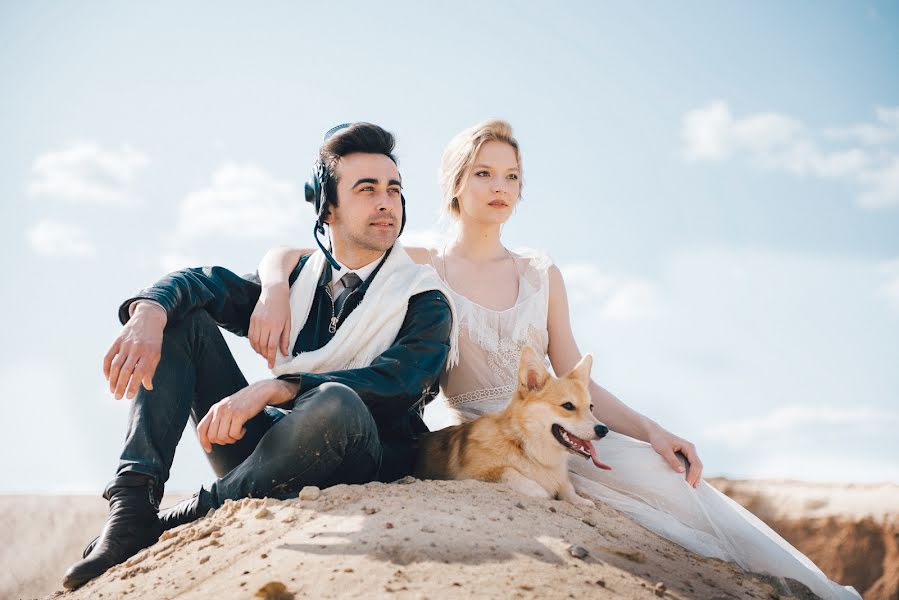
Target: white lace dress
{"type": "Point", "coordinates": [641, 485]}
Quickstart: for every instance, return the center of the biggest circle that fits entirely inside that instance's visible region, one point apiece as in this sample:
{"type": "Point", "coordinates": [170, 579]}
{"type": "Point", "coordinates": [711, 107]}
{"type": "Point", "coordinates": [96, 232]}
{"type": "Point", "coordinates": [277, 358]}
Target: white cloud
{"type": "Point", "coordinates": [779, 142]}
{"type": "Point", "coordinates": [243, 201]}
{"type": "Point", "coordinates": [792, 420]}
{"type": "Point", "coordinates": [711, 132]}
{"type": "Point", "coordinates": [83, 172]}
{"type": "Point", "coordinates": [610, 297]}
{"type": "Point", "coordinates": [57, 239]}
{"type": "Point", "coordinates": [868, 133]}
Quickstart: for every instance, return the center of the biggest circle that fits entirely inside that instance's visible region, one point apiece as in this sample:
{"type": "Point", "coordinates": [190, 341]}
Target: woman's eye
{"type": "Point", "coordinates": [482, 174]}
{"type": "Point", "coordinates": [568, 406]}
{"type": "Point", "coordinates": [513, 177]}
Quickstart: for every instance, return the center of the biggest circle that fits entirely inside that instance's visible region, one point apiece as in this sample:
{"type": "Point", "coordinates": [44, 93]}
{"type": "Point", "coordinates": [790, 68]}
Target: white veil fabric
{"type": "Point", "coordinates": [641, 485]}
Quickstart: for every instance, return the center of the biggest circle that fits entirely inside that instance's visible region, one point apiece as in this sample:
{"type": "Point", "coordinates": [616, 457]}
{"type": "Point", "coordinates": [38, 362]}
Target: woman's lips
{"type": "Point", "coordinates": [498, 204]}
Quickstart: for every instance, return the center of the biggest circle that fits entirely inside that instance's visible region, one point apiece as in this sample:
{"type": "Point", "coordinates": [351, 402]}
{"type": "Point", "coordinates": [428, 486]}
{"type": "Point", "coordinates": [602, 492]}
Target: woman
{"type": "Point", "coordinates": [526, 303]}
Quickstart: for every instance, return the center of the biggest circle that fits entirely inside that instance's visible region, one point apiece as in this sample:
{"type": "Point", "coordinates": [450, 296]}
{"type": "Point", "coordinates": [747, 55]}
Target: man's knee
{"type": "Point", "coordinates": [337, 401]}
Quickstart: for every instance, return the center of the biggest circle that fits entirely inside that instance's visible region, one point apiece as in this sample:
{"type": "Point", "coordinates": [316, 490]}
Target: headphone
{"type": "Point", "coordinates": [316, 195]}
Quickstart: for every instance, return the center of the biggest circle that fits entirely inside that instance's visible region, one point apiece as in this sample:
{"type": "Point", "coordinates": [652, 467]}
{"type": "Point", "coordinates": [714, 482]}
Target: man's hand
{"type": "Point", "coordinates": [224, 423]}
{"type": "Point", "coordinates": [270, 322]}
{"type": "Point", "coordinates": [134, 355]}
{"type": "Point", "coordinates": [667, 444]}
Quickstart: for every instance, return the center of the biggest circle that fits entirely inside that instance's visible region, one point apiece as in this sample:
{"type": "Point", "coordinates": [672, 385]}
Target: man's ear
{"type": "Point", "coordinates": [581, 371]}
{"type": "Point", "coordinates": [532, 373]}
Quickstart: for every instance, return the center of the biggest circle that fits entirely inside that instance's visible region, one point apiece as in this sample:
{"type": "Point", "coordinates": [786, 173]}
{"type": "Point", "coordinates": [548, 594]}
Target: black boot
{"type": "Point", "coordinates": [187, 511]}
{"type": "Point", "coordinates": [132, 525]}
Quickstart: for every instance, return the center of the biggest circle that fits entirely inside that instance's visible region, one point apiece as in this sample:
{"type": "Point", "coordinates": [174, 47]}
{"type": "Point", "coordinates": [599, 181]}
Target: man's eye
{"type": "Point", "coordinates": [368, 188]}
{"type": "Point", "coordinates": [568, 406]}
{"type": "Point", "coordinates": [393, 191]}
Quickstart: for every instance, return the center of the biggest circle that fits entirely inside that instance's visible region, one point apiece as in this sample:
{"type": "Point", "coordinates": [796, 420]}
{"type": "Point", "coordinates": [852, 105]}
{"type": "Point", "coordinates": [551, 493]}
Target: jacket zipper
{"type": "Point", "coordinates": [332, 328]}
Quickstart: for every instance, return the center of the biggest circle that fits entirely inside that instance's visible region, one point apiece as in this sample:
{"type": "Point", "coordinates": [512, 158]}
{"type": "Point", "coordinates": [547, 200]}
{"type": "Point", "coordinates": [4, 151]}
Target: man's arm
{"type": "Point", "coordinates": [226, 296]}
{"type": "Point", "coordinates": [400, 376]}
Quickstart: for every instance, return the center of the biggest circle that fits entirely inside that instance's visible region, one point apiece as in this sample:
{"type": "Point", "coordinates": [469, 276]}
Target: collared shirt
{"type": "Point", "coordinates": [362, 272]}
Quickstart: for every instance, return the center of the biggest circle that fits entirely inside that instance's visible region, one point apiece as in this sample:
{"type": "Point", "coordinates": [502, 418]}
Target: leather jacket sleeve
{"type": "Point", "coordinates": [228, 297]}
{"type": "Point", "coordinates": [405, 373]}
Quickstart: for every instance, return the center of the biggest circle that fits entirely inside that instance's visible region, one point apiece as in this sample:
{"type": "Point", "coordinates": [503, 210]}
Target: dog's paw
{"type": "Point", "coordinates": [581, 501]}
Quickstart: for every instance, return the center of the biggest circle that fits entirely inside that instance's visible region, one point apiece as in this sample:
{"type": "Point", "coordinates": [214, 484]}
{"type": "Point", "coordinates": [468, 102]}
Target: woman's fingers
{"type": "Point", "coordinates": [285, 337]}
{"type": "Point", "coordinates": [271, 347]}
{"type": "Point", "coordinates": [695, 473]}
{"type": "Point", "coordinates": [669, 455]}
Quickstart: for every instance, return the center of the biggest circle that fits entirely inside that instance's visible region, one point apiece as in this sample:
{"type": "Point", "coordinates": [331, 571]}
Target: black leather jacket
{"type": "Point", "coordinates": [395, 386]}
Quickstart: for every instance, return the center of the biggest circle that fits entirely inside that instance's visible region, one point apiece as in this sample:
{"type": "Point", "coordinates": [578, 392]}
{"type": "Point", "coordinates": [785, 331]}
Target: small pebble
{"type": "Point", "coordinates": [263, 512]}
{"type": "Point", "coordinates": [601, 582]}
{"type": "Point", "coordinates": [519, 505]}
{"type": "Point", "coordinates": [310, 492]}
{"type": "Point", "coordinates": [388, 525]}
{"type": "Point", "coordinates": [588, 521]}
{"type": "Point", "coordinates": [578, 552]}
{"type": "Point", "coordinates": [659, 589]}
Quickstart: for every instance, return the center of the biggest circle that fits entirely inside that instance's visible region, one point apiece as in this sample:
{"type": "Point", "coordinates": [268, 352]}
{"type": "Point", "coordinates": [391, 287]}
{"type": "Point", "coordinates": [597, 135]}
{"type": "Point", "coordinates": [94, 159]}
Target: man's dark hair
{"type": "Point", "coordinates": [358, 137]}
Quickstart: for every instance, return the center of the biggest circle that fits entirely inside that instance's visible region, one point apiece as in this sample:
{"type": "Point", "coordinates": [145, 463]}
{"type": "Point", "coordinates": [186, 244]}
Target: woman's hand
{"type": "Point", "coordinates": [667, 444]}
{"type": "Point", "coordinates": [270, 323]}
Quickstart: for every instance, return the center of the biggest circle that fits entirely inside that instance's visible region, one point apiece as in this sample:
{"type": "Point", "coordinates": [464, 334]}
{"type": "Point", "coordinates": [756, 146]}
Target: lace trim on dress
{"type": "Point", "coordinates": [497, 393]}
{"type": "Point", "coordinates": [494, 330]}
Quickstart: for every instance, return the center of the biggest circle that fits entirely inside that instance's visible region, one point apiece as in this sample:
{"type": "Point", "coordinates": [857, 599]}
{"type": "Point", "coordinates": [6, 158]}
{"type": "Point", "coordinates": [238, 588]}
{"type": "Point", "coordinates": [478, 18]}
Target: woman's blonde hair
{"type": "Point", "coordinates": [459, 156]}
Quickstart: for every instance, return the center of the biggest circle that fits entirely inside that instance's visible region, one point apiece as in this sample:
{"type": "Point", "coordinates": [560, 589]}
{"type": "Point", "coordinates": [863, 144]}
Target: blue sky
{"type": "Point", "coordinates": [719, 183]}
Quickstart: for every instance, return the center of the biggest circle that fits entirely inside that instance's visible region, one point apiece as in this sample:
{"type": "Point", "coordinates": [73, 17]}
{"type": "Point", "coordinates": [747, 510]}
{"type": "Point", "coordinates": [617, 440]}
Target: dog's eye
{"type": "Point", "coordinates": [568, 406]}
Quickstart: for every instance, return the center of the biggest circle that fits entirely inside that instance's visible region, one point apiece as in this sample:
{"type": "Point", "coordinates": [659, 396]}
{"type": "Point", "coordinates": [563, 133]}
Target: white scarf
{"type": "Point", "coordinates": [373, 325]}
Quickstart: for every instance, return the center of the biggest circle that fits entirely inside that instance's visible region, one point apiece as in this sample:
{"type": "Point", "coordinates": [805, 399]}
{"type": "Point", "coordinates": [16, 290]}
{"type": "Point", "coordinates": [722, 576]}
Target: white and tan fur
{"type": "Point", "coordinates": [516, 446]}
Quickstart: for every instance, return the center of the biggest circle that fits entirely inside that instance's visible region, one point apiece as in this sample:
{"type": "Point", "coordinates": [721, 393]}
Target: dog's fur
{"type": "Point", "coordinates": [518, 446]}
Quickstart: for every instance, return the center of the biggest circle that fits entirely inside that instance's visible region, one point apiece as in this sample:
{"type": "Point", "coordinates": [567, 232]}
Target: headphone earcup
{"type": "Point", "coordinates": [403, 221]}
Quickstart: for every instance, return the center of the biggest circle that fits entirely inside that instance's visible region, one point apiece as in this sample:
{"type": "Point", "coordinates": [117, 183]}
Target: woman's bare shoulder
{"type": "Point", "coordinates": [419, 254]}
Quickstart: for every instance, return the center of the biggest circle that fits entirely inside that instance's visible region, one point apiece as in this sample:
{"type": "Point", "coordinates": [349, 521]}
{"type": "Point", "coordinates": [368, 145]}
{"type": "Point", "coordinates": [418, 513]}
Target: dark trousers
{"type": "Point", "coordinates": [330, 437]}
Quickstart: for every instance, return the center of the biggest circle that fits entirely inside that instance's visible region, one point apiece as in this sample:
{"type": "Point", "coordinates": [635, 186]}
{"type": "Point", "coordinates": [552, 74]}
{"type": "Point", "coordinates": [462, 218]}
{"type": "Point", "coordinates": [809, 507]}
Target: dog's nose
{"type": "Point", "coordinates": [600, 430]}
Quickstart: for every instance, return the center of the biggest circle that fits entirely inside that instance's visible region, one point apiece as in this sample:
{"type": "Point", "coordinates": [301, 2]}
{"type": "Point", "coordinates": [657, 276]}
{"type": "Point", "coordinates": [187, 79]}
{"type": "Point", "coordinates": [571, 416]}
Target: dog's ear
{"type": "Point", "coordinates": [532, 373]}
{"type": "Point", "coordinates": [581, 371]}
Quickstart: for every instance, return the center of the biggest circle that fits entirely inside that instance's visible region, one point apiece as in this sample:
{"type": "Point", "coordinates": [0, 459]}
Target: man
{"type": "Point", "coordinates": [372, 331]}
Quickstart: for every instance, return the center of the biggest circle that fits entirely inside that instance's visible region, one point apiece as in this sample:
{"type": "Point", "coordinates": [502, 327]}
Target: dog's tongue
{"type": "Point", "coordinates": [595, 458]}
{"type": "Point", "coordinates": [588, 446]}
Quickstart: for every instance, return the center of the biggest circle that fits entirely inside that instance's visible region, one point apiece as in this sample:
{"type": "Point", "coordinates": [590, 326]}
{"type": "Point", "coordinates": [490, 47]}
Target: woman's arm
{"type": "Point", "coordinates": [564, 355]}
{"type": "Point", "coordinates": [270, 322]}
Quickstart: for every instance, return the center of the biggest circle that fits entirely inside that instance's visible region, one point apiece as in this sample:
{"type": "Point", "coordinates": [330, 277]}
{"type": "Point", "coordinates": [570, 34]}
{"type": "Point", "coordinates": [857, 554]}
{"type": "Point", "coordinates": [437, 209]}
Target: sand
{"type": "Point", "coordinates": [421, 539]}
{"type": "Point", "coordinates": [466, 539]}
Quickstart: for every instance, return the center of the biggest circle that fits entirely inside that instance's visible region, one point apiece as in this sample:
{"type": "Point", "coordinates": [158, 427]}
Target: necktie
{"type": "Point", "coordinates": [350, 282]}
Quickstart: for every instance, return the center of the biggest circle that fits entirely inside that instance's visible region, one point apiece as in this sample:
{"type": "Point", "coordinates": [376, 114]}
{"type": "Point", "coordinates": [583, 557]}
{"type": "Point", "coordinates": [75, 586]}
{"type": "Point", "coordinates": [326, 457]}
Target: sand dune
{"type": "Point", "coordinates": [415, 540]}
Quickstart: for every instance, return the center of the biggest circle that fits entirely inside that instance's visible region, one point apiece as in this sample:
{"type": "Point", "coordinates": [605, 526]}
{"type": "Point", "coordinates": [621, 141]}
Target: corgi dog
{"type": "Point", "coordinates": [526, 445]}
